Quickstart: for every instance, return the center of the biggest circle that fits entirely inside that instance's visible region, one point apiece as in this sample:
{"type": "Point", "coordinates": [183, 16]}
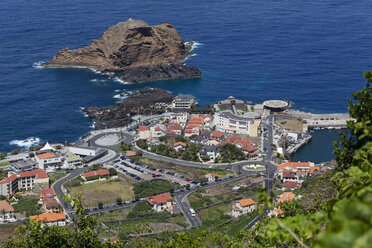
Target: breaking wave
{"type": "Point", "coordinates": [25, 143]}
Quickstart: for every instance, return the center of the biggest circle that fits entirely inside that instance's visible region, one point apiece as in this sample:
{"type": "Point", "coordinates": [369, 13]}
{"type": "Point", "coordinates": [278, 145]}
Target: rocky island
{"type": "Point", "coordinates": [148, 101]}
{"type": "Point", "coordinates": [135, 52]}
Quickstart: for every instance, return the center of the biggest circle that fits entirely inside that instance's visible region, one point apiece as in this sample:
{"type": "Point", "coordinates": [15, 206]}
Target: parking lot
{"type": "Point", "coordinates": [142, 172]}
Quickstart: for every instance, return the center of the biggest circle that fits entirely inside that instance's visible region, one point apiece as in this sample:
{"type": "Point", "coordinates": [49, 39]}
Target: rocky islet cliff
{"type": "Point", "coordinates": [135, 52]}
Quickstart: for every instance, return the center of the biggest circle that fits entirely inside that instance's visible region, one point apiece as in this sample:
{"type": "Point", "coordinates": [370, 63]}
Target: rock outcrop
{"type": "Point", "coordinates": [134, 51]}
{"type": "Point", "coordinates": [147, 102]}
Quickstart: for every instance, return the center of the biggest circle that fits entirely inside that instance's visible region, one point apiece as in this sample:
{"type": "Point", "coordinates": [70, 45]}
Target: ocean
{"type": "Point", "coordinates": [311, 53]}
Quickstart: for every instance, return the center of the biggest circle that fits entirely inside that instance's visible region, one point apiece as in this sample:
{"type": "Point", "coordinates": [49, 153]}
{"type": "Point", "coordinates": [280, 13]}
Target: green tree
{"type": "Point", "coordinates": [113, 172]}
{"type": "Point", "coordinates": [3, 155]}
{"type": "Point", "coordinates": [100, 205]}
{"type": "Point", "coordinates": [15, 151]}
{"type": "Point", "coordinates": [119, 201]}
{"type": "Point", "coordinates": [141, 143]}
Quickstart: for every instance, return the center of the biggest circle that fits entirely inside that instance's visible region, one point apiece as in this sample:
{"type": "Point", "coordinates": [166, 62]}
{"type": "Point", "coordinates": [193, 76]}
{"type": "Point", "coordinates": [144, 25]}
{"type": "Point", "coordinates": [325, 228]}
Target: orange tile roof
{"type": "Point", "coordinates": [158, 199]}
{"type": "Point", "coordinates": [143, 128]}
{"type": "Point", "coordinates": [246, 202]}
{"type": "Point", "coordinates": [217, 135]}
{"type": "Point", "coordinates": [4, 205]}
{"type": "Point", "coordinates": [293, 165]}
{"type": "Point", "coordinates": [287, 196]}
{"type": "Point", "coordinates": [46, 155]}
{"type": "Point", "coordinates": [130, 153]}
{"type": "Point", "coordinates": [47, 193]}
{"type": "Point", "coordinates": [180, 143]}
{"type": "Point", "coordinates": [278, 211]}
{"type": "Point", "coordinates": [48, 217]}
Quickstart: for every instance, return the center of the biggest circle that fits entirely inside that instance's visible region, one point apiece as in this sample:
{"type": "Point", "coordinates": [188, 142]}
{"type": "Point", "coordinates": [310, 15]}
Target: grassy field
{"type": "Point", "coordinates": [119, 214]}
{"type": "Point", "coordinates": [190, 172]}
{"type": "Point", "coordinates": [153, 187]}
{"type": "Point", "coordinates": [105, 191]}
{"type": "Point", "coordinates": [55, 176]}
{"type": "Point", "coordinates": [215, 215]}
{"type": "Point", "coordinates": [5, 163]}
{"type": "Point", "coordinates": [236, 226]}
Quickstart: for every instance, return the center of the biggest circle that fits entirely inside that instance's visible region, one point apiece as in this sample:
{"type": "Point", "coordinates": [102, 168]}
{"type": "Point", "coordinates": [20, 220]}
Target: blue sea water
{"type": "Point", "coordinates": [309, 52]}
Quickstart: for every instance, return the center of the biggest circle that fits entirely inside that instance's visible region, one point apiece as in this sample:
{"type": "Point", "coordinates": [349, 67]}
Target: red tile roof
{"type": "Point", "coordinates": [217, 135]}
{"type": "Point", "coordinates": [50, 203]}
{"type": "Point", "coordinates": [158, 199]}
{"type": "Point", "coordinates": [292, 185]}
{"type": "Point", "coordinates": [143, 128]}
{"type": "Point", "coordinates": [46, 155]}
{"type": "Point", "coordinates": [103, 172]}
{"type": "Point", "coordinates": [47, 193]}
{"type": "Point", "coordinates": [38, 172]}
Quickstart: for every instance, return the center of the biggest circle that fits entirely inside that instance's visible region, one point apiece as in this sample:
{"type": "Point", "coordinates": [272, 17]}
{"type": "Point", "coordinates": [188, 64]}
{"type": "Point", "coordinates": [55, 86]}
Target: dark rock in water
{"type": "Point", "coordinates": [145, 103]}
{"type": "Point", "coordinates": [141, 74]}
{"type": "Point", "coordinates": [137, 51]}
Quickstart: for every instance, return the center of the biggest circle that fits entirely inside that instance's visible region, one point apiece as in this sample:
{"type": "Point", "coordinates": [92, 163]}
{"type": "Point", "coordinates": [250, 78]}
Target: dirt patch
{"type": "Point", "coordinates": [290, 124]}
{"type": "Point", "coordinates": [6, 231]}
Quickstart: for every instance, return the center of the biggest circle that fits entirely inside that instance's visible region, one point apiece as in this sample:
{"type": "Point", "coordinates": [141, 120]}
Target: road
{"type": "Point", "coordinates": [181, 198]}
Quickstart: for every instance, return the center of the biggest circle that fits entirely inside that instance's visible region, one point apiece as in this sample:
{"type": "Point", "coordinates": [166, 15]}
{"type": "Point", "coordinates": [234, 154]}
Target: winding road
{"type": "Point", "coordinates": [181, 197]}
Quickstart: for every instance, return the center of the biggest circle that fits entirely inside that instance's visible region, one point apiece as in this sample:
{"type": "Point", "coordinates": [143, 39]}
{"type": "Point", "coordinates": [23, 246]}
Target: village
{"type": "Point", "coordinates": [181, 169]}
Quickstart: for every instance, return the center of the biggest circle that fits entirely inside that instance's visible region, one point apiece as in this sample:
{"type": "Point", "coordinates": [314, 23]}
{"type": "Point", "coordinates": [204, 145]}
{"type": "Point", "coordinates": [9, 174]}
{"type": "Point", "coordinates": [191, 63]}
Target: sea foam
{"type": "Point", "coordinates": [25, 143]}
{"type": "Point", "coordinates": [37, 65]}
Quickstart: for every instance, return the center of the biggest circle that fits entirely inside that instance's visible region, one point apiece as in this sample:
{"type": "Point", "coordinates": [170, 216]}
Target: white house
{"type": "Point", "coordinates": [48, 161]}
{"type": "Point", "coordinates": [6, 212]}
{"type": "Point", "coordinates": [242, 207]}
{"type": "Point", "coordinates": [179, 146]}
{"type": "Point", "coordinates": [51, 219]}
{"type": "Point", "coordinates": [211, 177]}
{"type": "Point", "coordinates": [144, 132]}
{"type": "Point", "coordinates": [161, 202]}
{"type": "Point", "coordinates": [211, 151]}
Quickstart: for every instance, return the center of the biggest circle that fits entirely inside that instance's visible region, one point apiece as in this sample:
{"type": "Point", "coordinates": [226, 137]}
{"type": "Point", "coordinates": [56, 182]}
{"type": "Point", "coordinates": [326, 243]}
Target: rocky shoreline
{"type": "Point", "coordinates": [134, 52]}
{"type": "Point", "coordinates": [147, 102]}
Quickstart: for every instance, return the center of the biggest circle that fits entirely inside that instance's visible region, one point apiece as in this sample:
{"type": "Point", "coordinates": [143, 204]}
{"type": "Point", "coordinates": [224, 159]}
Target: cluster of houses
{"type": "Point", "coordinates": [50, 159]}
{"type": "Point", "coordinates": [292, 174]}
{"type": "Point", "coordinates": [286, 196]}
{"type": "Point", "coordinates": [37, 182]}
{"type": "Point", "coordinates": [198, 129]}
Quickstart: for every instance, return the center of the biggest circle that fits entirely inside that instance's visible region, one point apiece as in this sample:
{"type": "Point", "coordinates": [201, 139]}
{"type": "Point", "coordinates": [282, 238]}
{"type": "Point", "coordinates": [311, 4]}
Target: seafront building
{"type": "Point", "coordinates": [34, 180]}
{"type": "Point", "coordinates": [183, 101]}
{"type": "Point", "coordinates": [48, 161]}
{"type": "Point", "coordinates": [249, 124]}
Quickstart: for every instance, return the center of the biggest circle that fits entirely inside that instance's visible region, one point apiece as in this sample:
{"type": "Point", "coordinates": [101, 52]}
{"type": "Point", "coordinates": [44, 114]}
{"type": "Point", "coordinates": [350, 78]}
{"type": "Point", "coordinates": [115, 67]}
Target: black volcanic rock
{"type": "Point", "coordinates": [145, 103]}
{"type": "Point", "coordinates": [135, 51]}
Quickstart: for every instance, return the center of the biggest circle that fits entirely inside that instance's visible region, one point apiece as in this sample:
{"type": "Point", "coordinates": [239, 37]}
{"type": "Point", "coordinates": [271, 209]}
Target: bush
{"type": "Point", "coordinates": [100, 205]}
{"type": "Point", "coordinates": [142, 144]}
{"type": "Point", "coordinates": [15, 151]}
{"type": "Point", "coordinates": [119, 201]}
{"type": "Point", "coordinates": [113, 172]}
